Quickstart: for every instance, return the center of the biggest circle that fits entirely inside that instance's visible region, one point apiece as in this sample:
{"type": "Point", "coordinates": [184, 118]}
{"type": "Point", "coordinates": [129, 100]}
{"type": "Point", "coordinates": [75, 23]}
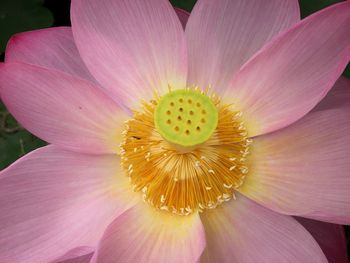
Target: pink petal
{"type": "Point", "coordinates": [143, 234]}
{"type": "Point", "coordinates": [223, 34]}
{"type": "Point", "coordinates": [81, 259]}
{"type": "Point", "coordinates": [338, 96]}
{"type": "Point", "coordinates": [242, 231]}
{"type": "Point", "coordinates": [61, 108]}
{"type": "Point", "coordinates": [183, 16]}
{"type": "Point", "coordinates": [51, 48]}
{"type": "Point", "coordinates": [304, 169]}
{"type": "Point", "coordinates": [53, 200]}
{"type": "Point", "coordinates": [76, 255]}
{"type": "Point", "coordinates": [289, 76]}
{"type": "Point", "coordinates": [140, 46]}
{"type": "Point", "coordinates": [330, 237]}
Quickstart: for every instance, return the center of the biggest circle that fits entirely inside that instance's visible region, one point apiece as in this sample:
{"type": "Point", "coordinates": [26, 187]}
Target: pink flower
{"type": "Point", "coordinates": [227, 145]}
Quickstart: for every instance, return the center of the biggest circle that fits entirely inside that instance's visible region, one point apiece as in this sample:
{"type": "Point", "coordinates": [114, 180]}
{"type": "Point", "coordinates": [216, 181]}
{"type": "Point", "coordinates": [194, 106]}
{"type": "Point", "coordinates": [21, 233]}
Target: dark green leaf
{"type": "Point", "coordinates": [14, 140]}
{"type": "Point", "coordinates": [22, 15]}
{"type": "Point", "coordinates": [308, 7]}
{"type": "Point", "coordinates": [184, 4]}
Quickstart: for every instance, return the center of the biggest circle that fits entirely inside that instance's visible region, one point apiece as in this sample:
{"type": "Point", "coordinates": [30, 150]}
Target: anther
{"type": "Point", "coordinates": [162, 199]}
{"type": "Point", "coordinates": [164, 207]}
{"type": "Point", "coordinates": [232, 167]}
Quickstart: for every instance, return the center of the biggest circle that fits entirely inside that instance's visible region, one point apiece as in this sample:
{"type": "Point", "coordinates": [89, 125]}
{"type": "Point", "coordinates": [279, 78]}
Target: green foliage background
{"type": "Point", "coordinates": [23, 15]}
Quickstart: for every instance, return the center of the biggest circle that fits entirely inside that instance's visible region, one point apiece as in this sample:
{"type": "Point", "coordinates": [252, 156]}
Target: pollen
{"type": "Point", "coordinates": [192, 151]}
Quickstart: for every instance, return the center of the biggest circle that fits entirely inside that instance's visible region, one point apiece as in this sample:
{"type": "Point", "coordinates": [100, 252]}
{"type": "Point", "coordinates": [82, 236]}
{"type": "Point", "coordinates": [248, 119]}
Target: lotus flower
{"type": "Point", "coordinates": [173, 145]}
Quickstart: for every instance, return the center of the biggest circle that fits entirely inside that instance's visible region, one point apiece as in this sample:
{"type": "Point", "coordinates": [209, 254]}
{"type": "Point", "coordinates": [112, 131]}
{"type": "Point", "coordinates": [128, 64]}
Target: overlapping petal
{"type": "Point", "coordinates": [304, 169]}
{"type": "Point", "coordinates": [338, 96]}
{"type": "Point", "coordinates": [76, 255]}
{"type": "Point", "coordinates": [330, 237]}
{"type": "Point", "coordinates": [53, 200]}
{"type": "Point", "coordinates": [242, 231]}
{"type": "Point", "coordinates": [62, 109]}
{"type": "Point", "coordinates": [143, 234]}
{"type": "Point", "coordinates": [139, 46]}
{"type": "Point", "coordinates": [80, 259]}
{"type": "Point", "coordinates": [222, 35]}
{"type": "Point", "coordinates": [183, 16]}
{"type": "Point", "coordinates": [291, 74]}
{"type": "Point", "coordinates": [51, 48]}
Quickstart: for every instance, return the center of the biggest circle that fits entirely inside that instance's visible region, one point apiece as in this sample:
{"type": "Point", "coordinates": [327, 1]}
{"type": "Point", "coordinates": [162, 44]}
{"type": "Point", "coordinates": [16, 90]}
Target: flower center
{"type": "Point", "coordinates": [185, 151]}
{"type": "Point", "coordinates": [186, 117]}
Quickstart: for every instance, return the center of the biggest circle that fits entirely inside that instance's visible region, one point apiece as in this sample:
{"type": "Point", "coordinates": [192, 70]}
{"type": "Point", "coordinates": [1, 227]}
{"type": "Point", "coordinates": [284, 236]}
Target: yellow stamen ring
{"type": "Point", "coordinates": [178, 181]}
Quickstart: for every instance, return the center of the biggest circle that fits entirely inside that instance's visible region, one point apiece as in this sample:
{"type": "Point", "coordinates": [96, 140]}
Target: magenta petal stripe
{"type": "Point", "coordinates": [304, 169]}
{"type": "Point", "coordinates": [242, 231]}
{"type": "Point", "coordinates": [143, 234]}
{"type": "Point", "coordinates": [51, 48]}
{"type": "Point", "coordinates": [53, 200]}
{"type": "Point", "coordinates": [62, 109]}
{"type": "Point", "coordinates": [223, 34]}
{"type": "Point", "coordinates": [139, 46]}
{"type": "Point", "coordinates": [290, 75]}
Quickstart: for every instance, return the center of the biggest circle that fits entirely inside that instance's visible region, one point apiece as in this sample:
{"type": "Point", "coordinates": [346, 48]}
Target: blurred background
{"type": "Point", "coordinates": [24, 15]}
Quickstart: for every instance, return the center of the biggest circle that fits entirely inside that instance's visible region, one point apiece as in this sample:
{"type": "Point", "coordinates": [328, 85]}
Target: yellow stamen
{"type": "Point", "coordinates": [185, 177]}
